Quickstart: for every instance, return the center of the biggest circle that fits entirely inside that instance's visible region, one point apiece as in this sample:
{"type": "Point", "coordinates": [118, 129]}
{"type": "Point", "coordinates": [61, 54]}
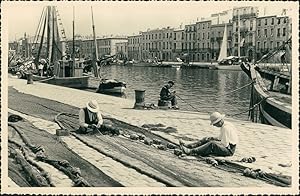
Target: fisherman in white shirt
{"type": "Point", "coordinates": [224, 145]}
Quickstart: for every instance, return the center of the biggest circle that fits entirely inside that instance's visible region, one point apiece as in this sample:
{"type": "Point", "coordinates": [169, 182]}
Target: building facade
{"type": "Point", "coordinates": [244, 31]}
{"type": "Point", "coordinates": [122, 50]}
{"type": "Point", "coordinates": [272, 32]}
{"type": "Point", "coordinates": [134, 47]}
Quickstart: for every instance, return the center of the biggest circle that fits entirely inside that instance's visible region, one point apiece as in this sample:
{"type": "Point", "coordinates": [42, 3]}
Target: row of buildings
{"type": "Point", "coordinates": [247, 35]}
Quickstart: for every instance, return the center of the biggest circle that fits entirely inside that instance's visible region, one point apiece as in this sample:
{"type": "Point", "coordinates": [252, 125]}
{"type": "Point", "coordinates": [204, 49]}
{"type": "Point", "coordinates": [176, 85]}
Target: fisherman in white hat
{"type": "Point", "coordinates": [224, 145]}
{"type": "Point", "coordinates": [90, 119]}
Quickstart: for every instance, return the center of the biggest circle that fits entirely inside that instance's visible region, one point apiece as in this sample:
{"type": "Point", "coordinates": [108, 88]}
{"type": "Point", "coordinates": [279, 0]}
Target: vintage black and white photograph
{"type": "Point", "coordinates": [149, 97]}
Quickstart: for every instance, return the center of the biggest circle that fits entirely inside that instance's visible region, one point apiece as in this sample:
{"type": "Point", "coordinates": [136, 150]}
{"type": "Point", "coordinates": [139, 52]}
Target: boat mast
{"type": "Point", "coordinates": [73, 52]}
{"type": "Point", "coordinates": [239, 36]}
{"type": "Point", "coordinates": [95, 52]}
{"type": "Point", "coordinates": [42, 38]}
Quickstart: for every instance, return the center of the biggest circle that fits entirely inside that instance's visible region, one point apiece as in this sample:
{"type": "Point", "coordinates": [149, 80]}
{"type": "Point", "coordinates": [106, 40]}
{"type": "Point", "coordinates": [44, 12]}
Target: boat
{"type": "Point", "coordinates": [60, 68]}
{"type": "Point", "coordinates": [226, 62]}
{"type": "Point", "coordinates": [111, 86]}
{"type": "Point", "coordinates": [270, 92]}
{"type": "Point", "coordinates": [106, 86]}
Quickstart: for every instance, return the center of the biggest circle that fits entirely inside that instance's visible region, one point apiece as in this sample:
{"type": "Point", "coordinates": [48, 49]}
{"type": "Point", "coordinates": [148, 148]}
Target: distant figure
{"type": "Point", "coordinates": [167, 95]}
{"type": "Point", "coordinates": [224, 145]}
{"type": "Point", "coordinates": [40, 69]}
{"type": "Point", "coordinates": [90, 120]}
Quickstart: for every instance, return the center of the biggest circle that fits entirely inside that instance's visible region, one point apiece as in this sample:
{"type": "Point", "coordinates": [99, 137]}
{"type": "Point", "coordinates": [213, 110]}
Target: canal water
{"type": "Point", "coordinates": [204, 89]}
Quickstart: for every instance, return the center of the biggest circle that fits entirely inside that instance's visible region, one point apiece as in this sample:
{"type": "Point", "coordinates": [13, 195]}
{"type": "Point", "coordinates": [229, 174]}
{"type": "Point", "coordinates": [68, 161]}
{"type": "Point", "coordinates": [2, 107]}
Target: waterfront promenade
{"type": "Point", "coordinates": [271, 146]}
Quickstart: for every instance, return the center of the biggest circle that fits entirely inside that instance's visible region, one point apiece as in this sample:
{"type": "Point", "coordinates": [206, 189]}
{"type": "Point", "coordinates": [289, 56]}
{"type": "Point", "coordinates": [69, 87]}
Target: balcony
{"type": "Point", "coordinates": [244, 16]}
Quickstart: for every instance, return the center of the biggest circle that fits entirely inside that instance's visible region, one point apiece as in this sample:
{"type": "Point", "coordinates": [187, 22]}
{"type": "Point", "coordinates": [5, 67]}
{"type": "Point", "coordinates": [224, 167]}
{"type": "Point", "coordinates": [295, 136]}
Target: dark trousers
{"type": "Point", "coordinates": [171, 98]}
{"type": "Point", "coordinates": [104, 129]}
{"type": "Point", "coordinates": [205, 147]}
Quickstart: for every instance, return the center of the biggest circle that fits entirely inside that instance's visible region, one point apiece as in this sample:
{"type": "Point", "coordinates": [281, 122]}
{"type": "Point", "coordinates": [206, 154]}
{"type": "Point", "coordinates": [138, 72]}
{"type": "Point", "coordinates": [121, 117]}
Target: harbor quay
{"type": "Point", "coordinates": [270, 146]}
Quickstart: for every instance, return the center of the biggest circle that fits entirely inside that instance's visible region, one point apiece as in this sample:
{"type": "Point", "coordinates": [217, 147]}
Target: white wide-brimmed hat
{"type": "Point", "coordinates": [216, 117]}
{"type": "Point", "coordinates": [92, 106]}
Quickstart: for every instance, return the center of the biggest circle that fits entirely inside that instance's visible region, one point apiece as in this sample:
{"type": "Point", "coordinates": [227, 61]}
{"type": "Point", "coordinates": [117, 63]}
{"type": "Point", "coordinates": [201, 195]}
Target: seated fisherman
{"type": "Point", "coordinates": [167, 95]}
{"type": "Point", "coordinates": [223, 146]}
{"type": "Point", "coordinates": [90, 119]}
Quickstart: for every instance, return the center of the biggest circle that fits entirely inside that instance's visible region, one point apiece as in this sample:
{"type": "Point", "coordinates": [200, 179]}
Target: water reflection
{"type": "Point", "coordinates": [205, 89]}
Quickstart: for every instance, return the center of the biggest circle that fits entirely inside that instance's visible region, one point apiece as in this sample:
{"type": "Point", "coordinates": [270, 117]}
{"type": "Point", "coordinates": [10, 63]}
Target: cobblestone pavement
{"type": "Point", "coordinates": [271, 146]}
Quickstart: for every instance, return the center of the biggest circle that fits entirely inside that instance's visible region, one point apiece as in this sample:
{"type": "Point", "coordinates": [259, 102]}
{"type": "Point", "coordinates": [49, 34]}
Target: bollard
{"type": "Point", "coordinates": [139, 99]}
{"type": "Point", "coordinates": [29, 78]}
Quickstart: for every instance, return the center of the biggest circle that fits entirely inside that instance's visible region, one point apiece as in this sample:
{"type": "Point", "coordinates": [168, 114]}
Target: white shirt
{"type": "Point", "coordinates": [228, 134]}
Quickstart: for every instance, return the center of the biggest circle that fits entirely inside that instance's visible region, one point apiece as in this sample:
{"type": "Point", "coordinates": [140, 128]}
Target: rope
{"type": "Point", "coordinates": [237, 89]}
{"type": "Point", "coordinates": [188, 103]}
{"type": "Point", "coordinates": [250, 109]}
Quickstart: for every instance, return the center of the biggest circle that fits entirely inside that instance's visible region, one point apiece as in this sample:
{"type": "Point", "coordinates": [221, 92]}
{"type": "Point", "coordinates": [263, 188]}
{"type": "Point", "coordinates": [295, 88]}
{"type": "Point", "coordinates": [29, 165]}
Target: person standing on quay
{"type": "Point", "coordinates": [224, 145]}
{"type": "Point", "coordinates": [167, 95]}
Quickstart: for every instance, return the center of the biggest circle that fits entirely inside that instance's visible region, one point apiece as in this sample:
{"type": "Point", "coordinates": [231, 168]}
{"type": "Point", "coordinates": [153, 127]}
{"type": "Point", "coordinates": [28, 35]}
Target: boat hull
{"type": "Point", "coordinates": [271, 109]}
{"type": "Point", "coordinates": [111, 87]}
{"type": "Point", "coordinates": [228, 67]}
{"type": "Point", "coordinates": [72, 82]}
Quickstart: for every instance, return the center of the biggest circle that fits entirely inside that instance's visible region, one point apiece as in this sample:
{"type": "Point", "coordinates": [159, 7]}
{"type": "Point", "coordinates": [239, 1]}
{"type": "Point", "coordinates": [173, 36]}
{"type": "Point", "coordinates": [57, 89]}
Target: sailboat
{"type": "Point", "coordinates": [63, 70]}
{"type": "Point", "coordinates": [226, 62]}
{"type": "Point", "coordinates": [106, 86]}
{"type": "Point", "coordinates": [271, 90]}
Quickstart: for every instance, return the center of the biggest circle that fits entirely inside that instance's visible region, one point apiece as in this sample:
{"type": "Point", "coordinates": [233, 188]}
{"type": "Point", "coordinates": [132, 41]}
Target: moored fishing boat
{"type": "Point", "coordinates": [59, 68]}
{"type": "Point", "coordinates": [271, 94]}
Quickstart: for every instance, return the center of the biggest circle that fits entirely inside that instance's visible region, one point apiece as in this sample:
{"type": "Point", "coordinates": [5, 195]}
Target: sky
{"type": "Point", "coordinates": [120, 18]}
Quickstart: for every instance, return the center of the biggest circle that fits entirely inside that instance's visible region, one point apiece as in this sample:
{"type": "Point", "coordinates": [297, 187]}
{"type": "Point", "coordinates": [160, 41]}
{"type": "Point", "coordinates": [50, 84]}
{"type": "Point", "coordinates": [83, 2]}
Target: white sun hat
{"type": "Point", "coordinates": [92, 106]}
{"type": "Point", "coordinates": [216, 117]}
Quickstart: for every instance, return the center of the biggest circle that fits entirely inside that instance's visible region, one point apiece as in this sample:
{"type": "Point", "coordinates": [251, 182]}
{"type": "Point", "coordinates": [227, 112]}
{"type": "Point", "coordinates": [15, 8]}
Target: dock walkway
{"type": "Point", "coordinates": [271, 146]}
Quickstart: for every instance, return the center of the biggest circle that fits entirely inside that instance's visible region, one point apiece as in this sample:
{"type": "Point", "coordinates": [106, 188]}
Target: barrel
{"type": "Point", "coordinates": [29, 78]}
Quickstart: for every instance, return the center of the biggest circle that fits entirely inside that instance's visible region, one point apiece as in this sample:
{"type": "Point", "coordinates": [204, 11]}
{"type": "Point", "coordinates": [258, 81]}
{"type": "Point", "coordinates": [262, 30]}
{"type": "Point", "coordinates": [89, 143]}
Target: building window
{"type": "Point", "coordinates": [208, 35]}
{"type": "Point", "coordinates": [190, 36]}
{"type": "Point", "coordinates": [272, 21]}
{"type": "Point", "coordinates": [167, 35]}
{"type": "Point", "coordinates": [266, 32]}
{"type": "Point", "coordinates": [207, 44]}
{"type": "Point", "coordinates": [259, 22]}
{"type": "Point", "coordinates": [174, 36]}
{"type": "Point", "coordinates": [272, 31]}
{"type": "Point", "coordinates": [170, 35]}
{"type": "Point", "coordinates": [258, 33]}
{"type": "Point", "coordinates": [284, 20]}
{"type": "Point", "coordinates": [251, 25]}
{"type": "Point", "coordinates": [266, 21]}
{"type": "Point", "coordinates": [278, 21]}
{"type": "Point", "coordinates": [202, 45]}
{"type": "Point", "coordinates": [265, 45]}
{"type": "Point", "coordinates": [278, 44]}
{"type": "Point", "coordinates": [258, 45]}
{"type": "Point", "coordinates": [278, 32]}
{"type": "Point", "coordinates": [174, 46]}
{"type": "Point", "coordinates": [271, 44]}
{"type": "Point", "coordinates": [202, 56]}
{"type": "Point", "coordinates": [182, 35]}
{"type": "Point", "coordinates": [283, 31]}
{"type": "Point", "coordinates": [203, 35]}
{"type": "Point", "coordinates": [203, 25]}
